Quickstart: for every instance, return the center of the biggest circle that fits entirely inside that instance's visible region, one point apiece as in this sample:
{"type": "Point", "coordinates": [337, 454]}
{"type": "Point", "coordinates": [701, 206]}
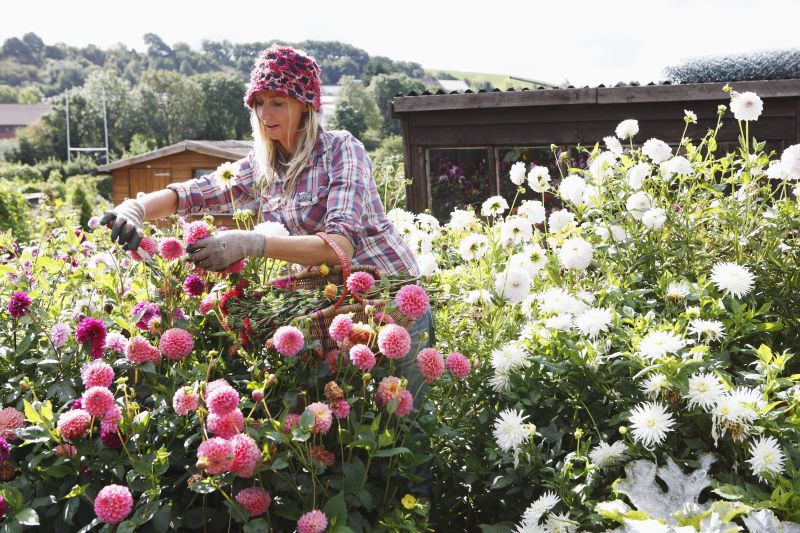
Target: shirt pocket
{"type": "Point", "coordinates": [306, 210]}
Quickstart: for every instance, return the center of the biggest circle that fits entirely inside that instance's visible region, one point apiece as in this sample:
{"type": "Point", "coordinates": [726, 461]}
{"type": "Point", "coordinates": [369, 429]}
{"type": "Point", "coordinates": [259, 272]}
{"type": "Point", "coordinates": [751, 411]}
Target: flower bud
{"type": "Point", "coordinates": [366, 377]}
{"type": "Point", "coordinates": [202, 464]}
{"type": "Point", "coordinates": [271, 379]}
{"type": "Point", "coordinates": [578, 434]}
{"type": "Point", "coordinates": [324, 269]}
{"type": "Point", "coordinates": [257, 395]}
{"type": "Point", "coordinates": [623, 430]}
{"type": "Point", "coordinates": [369, 310]}
{"type": "Point", "coordinates": [330, 291]}
{"type": "Point", "coordinates": [404, 383]}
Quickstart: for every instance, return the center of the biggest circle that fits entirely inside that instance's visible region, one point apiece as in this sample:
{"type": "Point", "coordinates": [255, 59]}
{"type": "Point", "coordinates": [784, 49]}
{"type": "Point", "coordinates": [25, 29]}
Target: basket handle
{"type": "Point", "coordinates": [345, 263]}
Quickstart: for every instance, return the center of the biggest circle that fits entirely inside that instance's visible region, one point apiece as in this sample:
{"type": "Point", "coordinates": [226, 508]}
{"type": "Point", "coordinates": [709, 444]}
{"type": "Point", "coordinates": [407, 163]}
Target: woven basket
{"type": "Point", "coordinates": [320, 321]}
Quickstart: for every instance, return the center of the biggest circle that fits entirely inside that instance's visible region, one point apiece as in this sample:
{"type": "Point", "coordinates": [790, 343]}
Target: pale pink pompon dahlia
{"type": "Point", "coordinates": [222, 400]}
{"type": "Point", "coordinates": [430, 363]}
{"type": "Point", "coordinates": [246, 455]}
{"type": "Point", "coordinates": [73, 424]}
{"type": "Point", "coordinates": [113, 504]}
{"type": "Point", "coordinates": [184, 401]}
{"type": "Point", "coordinates": [170, 248]}
{"type": "Point", "coordinates": [218, 455]}
{"type": "Point", "coordinates": [412, 300]}
{"type": "Point", "coordinates": [97, 374]}
{"type": "Point", "coordinates": [312, 522]}
{"type": "Point", "coordinates": [323, 417]}
{"type": "Point", "coordinates": [458, 365]}
{"type": "Point", "coordinates": [288, 340]}
{"type": "Point", "coordinates": [362, 357]}
{"type": "Point", "coordinates": [340, 327]}
{"type": "Point", "coordinates": [176, 343]}
{"type": "Point", "coordinates": [394, 341]}
{"type": "Point", "coordinates": [97, 400]}
{"type": "Point", "coordinates": [10, 420]}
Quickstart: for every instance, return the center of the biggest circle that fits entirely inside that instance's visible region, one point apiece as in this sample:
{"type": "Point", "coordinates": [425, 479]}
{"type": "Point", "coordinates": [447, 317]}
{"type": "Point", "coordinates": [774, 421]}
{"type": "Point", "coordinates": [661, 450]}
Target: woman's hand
{"type": "Point", "coordinates": [225, 248]}
{"type": "Point", "coordinates": [128, 223]}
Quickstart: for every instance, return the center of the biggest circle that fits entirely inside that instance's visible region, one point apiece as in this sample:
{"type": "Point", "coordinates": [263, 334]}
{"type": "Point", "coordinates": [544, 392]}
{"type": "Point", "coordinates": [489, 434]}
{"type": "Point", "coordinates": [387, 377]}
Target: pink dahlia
{"type": "Point", "coordinates": [184, 400]}
{"type": "Point", "coordinates": [59, 334]}
{"type": "Point", "coordinates": [195, 231]}
{"type": "Point", "coordinates": [394, 341]}
{"type": "Point", "coordinates": [222, 400]}
{"type": "Point", "coordinates": [332, 358]}
{"type": "Point", "coordinates": [113, 504]}
{"type": "Point", "coordinates": [116, 342]}
{"type": "Point", "coordinates": [208, 303]}
{"type": "Point", "coordinates": [149, 310]}
{"type": "Point", "coordinates": [10, 420]}
{"type": "Point", "coordinates": [93, 331]}
{"type": "Point", "coordinates": [388, 389]}
{"type": "Point", "coordinates": [362, 357]}
{"type": "Point", "coordinates": [97, 374]}
{"type": "Point", "coordinates": [360, 282]}
{"type": "Point", "coordinates": [176, 343]}
{"type": "Point", "coordinates": [227, 425]}
{"type": "Point", "coordinates": [292, 421]}
{"type": "Point", "coordinates": [194, 285]}
{"type": "Point", "coordinates": [237, 267]}
{"type": "Point", "coordinates": [288, 340]}
{"type": "Point", "coordinates": [458, 365]}
{"type": "Point", "coordinates": [148, 245]}
{"type": "Point", "coordinates": [322, 417]}
{"type": "Point", "coordinates": [312, 522]}
{"type": "Point", "coordinates": [412, 300]}
{"type": "Point", "coordinates": [382, 318]}
{"type": "Point", "coordinates": [218, 454]}
{"type": "Point", "coordinates": [405, 402]}
{"type": "Point", "coordinates": [5, 450]}
{"type": "Point", "coordinates": [73, 424]}
{"type": "Point", "coordinates": [430, 363]}
{"type": "Point", "coordinates": [139, 350]}
{"type": "Point", "coordinates": [341, 409]}
{"type": "Point", "coordinates": [170, 248]}
{"type": "Point", "coordinates": [112, 418]}
{"type": "Point", "coordinates": [214, 385]}
{"type": "Point", "coordinates": [246, 455]}
{"type": "Point", "coordinates": [255, 499]}
{"type": "Point", "coordinates": [18, 304]}
{"type": "Point", "coordinates": [66, 450]}
{"type": "Point", "coordinates": [97, 400]}
{"type": "Point", "coordinates": [340, 327]}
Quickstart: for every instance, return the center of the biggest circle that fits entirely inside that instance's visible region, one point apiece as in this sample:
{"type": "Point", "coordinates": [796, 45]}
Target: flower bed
{"type": "Point", "coordinates": [624, 362]}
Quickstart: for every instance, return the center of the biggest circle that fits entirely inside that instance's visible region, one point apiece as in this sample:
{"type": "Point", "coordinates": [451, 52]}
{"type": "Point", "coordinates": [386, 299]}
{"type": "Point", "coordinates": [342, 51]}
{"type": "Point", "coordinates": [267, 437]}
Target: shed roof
{"type": "Point", "coordinates": [231, 149]}
{"type": "Point", "coordinates": [620, 94]}
{"type": "Point", "coordinates": [21, 114]}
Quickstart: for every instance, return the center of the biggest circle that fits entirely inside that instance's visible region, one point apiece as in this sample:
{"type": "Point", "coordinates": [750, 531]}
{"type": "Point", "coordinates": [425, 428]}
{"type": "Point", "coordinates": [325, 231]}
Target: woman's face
{"type": "Point", "coordinates": [280, 115]}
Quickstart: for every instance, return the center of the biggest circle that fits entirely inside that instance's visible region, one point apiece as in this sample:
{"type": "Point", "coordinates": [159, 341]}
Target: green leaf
{"type": "Point", "coordinates": [336, 509]}
{"type": "Point", "coordinates": [30, 413]}
{"type": "Point", "coordinates": [70, 508]}
{"type": "Point", "coordinates": [161, 463]}
{"type": "Point", "coordinates": [391, 452]}
{"type": "Point", "coordinates": [256, 526]}
{"type": "Point", "coordinates": [34, 434]}
{"type": "Point", "coordinates": [126, 527]}
{"type": "Point", "coordinates": [88, 527]}
{"type": "Point", "coordinates": [163, 519]}
{"type": "Point", "coordinates": [77, 490]}
{"type": "Point", "coordinates": [27, 517]}
{"type": "Point", "coordinates": [307, 420]}
{"type": "Point", "coordinates": [202, 487]}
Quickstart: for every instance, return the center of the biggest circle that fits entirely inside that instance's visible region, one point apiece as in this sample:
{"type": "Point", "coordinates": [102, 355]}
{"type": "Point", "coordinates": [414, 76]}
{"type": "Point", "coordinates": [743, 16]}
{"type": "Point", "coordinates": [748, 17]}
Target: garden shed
{"type": "Point", "coordinates": [458, 147]}
{"type": "Point", "coordinates": [155, 170]}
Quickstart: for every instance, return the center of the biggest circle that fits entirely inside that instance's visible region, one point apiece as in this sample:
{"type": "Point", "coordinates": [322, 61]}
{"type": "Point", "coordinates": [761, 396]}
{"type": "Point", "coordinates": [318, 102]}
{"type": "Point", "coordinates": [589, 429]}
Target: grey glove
{"type": "Point", "coordinates": [128, 223]}
{"type": "Point", "coordinates": [220, 251]}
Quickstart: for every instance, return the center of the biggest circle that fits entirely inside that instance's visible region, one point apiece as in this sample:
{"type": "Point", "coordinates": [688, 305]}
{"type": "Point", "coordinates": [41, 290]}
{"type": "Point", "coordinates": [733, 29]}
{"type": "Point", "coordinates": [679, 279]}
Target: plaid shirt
{"type": "Point", "coordinates": [335, 194]}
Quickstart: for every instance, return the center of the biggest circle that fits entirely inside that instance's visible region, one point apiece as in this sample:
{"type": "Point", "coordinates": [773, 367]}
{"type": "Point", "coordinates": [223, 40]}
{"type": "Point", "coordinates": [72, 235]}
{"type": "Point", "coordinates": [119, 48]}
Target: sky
{"type": "Point", "coordinates": [580, 41]}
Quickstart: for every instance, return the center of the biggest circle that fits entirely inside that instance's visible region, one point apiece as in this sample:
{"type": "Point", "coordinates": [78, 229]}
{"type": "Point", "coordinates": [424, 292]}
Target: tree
{"type": "Point", "coordinates": [353, 93]}
{"type": "Point", "coordinates": [347, 117]}
{"type": "Point", "coordinates": [225, 114]}
{"type": "Point", "coordinates": [180, 104]}
{"type": "Point", "coordinates": [384, 87]}
{"type": "Point", "coordinates": [30, 95]}
{"type": "Point", "coordinates": [17, 50]}
{"type": "Point", "coordinates": [8, 94]}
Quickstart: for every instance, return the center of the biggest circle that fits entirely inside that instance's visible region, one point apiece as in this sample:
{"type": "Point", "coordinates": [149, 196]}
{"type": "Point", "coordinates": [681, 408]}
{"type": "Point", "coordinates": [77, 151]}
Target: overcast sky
{"type": "Point", "coordinates": [585, 42]}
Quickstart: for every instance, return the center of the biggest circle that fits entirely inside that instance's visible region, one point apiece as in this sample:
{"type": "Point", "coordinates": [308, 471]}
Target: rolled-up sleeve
{"type": "Point", "coordinates": [350, 175]}
{"type": "Point", "coordinates": [208, 194]}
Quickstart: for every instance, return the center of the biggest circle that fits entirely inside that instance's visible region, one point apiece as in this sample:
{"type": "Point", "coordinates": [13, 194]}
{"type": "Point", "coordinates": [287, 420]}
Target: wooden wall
{"type": "Point", "coordinates": [156, 174]}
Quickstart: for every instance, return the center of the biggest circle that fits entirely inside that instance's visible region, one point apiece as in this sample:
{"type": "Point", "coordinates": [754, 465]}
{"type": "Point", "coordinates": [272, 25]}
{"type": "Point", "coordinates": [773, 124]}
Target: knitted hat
{"type": "Point", "coordinates": [287, 71]}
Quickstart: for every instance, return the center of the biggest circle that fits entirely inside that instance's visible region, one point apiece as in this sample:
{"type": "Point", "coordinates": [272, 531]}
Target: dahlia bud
{"type": "Point", "coordinates": [324, 269]}
{"type": "Point", "coordinates": [257, 395]}
{"type": "Point", "coordinates": [423, 336]}
{"type": "Point", "coordinates": [271, 379]}
{"type": "Point", "coordinates": [404, 383]}
{"type": "Point", "coordinates": [366, 377]}
{"type": "Point", "coordinates": [330, 291]}
{"type": "Point", "coordinates": [25, 384]}
{"type": "Point", "coordinates": [202, 463]}
{"type": "Point", "coordinates": [578, 434]}
{"type": "Point", "coordinates": [369, 310]}
{"type": "Point", "coordinates": [623, 430]}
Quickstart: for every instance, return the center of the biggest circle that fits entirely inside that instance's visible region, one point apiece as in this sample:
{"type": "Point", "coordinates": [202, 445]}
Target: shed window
{"type": "Point", "coordinates": [531, 156]}
{"type": "Point", "coordinates": [458, 178]}
{"type": "Point", "coordinates": [198, 172]}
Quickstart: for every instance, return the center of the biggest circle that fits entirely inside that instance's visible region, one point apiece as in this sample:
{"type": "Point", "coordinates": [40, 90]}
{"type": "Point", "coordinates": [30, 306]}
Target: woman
{"type": "Point", "coordinates": [307, 178]}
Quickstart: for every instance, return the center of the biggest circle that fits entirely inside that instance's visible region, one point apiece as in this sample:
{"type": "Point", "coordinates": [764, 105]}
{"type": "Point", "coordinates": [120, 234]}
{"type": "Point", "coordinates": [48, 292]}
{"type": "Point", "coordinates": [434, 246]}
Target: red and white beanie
{"type": "Point", "coordinates": [287, 71]}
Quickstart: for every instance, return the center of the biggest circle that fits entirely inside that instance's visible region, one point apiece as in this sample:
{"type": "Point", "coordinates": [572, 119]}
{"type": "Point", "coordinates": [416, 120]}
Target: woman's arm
{"type": "Point", "coordinates": [159, 204]}
{"type": "Point", "coordinates": [307, 249]}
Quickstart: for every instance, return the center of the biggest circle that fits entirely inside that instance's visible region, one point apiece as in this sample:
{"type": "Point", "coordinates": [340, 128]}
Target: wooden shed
{"type": "Point", "coordinates": [459, 146]}
{"type": "Point", "coordinates": [155, 170]}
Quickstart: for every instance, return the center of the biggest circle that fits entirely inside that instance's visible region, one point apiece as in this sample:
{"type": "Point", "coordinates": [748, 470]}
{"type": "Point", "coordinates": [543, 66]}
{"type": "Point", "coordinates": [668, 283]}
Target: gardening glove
{"type": "Point", "coordinates": [127, 223]}
{"type": "Point", "coordinates": [220, 251]}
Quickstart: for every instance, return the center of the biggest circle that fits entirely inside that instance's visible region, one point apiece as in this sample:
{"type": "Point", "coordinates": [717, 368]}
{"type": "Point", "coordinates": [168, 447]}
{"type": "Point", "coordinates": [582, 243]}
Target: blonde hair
{"type": "Point", "coordinates": [268, 152]}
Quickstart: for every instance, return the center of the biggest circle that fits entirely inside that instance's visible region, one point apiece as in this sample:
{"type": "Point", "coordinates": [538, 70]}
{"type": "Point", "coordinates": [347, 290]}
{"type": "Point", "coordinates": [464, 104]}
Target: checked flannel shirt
{"type": "Point", "coordinates": [335, 194]}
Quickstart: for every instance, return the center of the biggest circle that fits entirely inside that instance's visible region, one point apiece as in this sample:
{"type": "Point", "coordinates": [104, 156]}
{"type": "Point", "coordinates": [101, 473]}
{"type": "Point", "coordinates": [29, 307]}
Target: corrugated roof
{"type": "Point", "coordinates": [600, 94]}
{"type": "Point", "coordinates": [21, 114]}
{"type": "Point", "coordinates": [231, 149]}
